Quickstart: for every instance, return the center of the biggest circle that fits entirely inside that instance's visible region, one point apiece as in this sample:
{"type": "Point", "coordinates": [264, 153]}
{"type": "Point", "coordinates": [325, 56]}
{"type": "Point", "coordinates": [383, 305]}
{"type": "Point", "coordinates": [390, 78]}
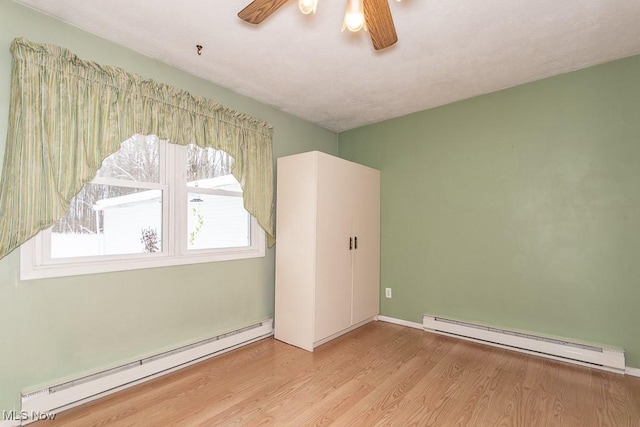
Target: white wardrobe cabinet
{"type": "Point", "coordinates": [328, 248]}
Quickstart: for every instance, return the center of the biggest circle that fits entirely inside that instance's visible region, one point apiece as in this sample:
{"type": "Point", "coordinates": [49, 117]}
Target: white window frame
{"type": "Point", "coordinates": [36, 263]}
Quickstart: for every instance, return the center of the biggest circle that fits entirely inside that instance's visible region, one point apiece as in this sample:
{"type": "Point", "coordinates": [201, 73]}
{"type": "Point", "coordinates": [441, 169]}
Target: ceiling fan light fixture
{"type": "Point", "coordinates": [307, 6]}
{"type": "Point", "coordinates": [354, 16]}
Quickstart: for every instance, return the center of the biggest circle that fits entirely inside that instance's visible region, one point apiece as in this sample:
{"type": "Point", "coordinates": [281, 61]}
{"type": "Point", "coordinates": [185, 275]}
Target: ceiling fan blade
{"type": "Point", "coordinates": [380, 23]}
{"type": "Point", "coordinates": [259, 10]}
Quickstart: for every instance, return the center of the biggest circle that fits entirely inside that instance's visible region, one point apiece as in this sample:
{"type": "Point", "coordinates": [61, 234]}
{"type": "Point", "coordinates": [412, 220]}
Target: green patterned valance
{"type": "Point", "coordinates": [66, 115]}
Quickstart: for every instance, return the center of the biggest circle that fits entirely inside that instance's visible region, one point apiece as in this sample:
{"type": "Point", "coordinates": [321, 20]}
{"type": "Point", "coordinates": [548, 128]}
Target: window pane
{"type": "Point", "coordinates": [137, 160]}
{"type": "Point", "coordinates": [109, 220]}
{"type": "Point", "coordinates": [205, 164]}
{"type": "Point", "coordinates": [215, 218]}
{"type": "Point", "coordinates": [216, 222]}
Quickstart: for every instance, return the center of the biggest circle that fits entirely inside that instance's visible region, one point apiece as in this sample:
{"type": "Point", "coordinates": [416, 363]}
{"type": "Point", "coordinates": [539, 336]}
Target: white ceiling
{"type": "Point", "coordinates": [448, 49]}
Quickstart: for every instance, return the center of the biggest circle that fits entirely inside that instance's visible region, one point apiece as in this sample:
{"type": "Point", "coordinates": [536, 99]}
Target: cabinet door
{"type": "Point", "coordinates": [333, 256]}
{"type": "Point", "coordinates": [366, 258]}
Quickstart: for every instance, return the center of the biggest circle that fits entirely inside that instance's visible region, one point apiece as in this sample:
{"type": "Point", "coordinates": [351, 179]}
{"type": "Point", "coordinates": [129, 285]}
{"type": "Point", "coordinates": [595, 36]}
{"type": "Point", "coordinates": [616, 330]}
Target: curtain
{"type": "Point", "coordinates": [66, 115]}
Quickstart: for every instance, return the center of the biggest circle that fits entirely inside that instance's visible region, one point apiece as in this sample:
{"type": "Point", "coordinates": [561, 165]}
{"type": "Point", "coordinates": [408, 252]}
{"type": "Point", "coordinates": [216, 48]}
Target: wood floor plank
{"type": "Point", "coordinates": [507, 389]}
{"type": "Point", "coordinates": [379, 374]}
{"type": "Point", "coordinates": [436, 397]}
{"type": "Point", "coordinates": [472, 402]}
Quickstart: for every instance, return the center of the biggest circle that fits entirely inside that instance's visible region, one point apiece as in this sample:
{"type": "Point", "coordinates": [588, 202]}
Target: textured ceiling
{"type": "Point", "coordinates": [447, 50]}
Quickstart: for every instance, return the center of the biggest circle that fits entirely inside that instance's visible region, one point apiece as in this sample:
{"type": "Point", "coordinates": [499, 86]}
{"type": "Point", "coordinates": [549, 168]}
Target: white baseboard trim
{"type": "Point", "coordinates": [634, 372]}
{"type": "Point", "coordinates": [9, 423]}
{"type": "Point", "coordinates": [400, 322]}
{"type": "Point", "coordinates": [57, 398]}
{"type": "Point", "coordinates": [571, 351]}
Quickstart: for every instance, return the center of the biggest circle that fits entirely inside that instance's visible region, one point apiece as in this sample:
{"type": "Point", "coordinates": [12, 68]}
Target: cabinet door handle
{"type": "Point", "coordinates": [350, 243]}
{"type": "Point", "coordinates": [355, 245]}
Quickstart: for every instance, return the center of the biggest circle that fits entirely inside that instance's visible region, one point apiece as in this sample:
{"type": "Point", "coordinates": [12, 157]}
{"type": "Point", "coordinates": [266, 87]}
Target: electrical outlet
{"type": "Point", "coordinates": [387, 292]}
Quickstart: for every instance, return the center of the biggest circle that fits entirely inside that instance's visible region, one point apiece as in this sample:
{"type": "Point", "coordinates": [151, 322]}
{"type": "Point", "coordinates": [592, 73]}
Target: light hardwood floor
{"type": "Point", "coordinates": [379, 374]}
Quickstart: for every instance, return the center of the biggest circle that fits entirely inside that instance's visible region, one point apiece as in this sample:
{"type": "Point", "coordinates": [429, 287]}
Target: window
{"type": "Point", "coordinates": [151, 204]}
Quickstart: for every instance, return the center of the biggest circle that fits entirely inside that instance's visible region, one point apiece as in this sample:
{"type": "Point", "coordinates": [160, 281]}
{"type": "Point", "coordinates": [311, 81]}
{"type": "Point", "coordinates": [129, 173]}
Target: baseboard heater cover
{"type": "Point", "coordinates": [595, 356]}
{"type": "Point", "coordinates": [56, 398]}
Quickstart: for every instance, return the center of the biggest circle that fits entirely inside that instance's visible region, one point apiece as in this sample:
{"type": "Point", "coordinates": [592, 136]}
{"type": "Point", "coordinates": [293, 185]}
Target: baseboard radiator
{"type": "Point", "coordinates": [59, 397]}
{"type": "Point", "coordinates": [595, 356]}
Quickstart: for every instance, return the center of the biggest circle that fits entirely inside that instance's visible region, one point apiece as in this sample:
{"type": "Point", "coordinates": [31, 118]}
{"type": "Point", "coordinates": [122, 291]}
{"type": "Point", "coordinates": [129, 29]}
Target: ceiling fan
{"type": "Point", "coordinates": [373, 15]}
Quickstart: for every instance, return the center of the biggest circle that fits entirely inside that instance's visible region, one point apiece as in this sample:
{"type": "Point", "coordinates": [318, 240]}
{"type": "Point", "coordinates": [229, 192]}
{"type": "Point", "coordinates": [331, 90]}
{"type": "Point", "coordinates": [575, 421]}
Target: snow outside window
{"type": "Point", "coordinates": [151, 204]}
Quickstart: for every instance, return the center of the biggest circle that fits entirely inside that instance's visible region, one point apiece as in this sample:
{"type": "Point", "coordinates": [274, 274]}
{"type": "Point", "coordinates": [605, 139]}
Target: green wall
{"type": "Point", "coordinates": [51, 329]}
{"type": "Point", "coordinates": [520, 208]}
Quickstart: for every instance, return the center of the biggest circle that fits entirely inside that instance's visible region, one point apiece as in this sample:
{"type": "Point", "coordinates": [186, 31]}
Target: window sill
{"type": "Point", "coordinates": [30, 269]}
